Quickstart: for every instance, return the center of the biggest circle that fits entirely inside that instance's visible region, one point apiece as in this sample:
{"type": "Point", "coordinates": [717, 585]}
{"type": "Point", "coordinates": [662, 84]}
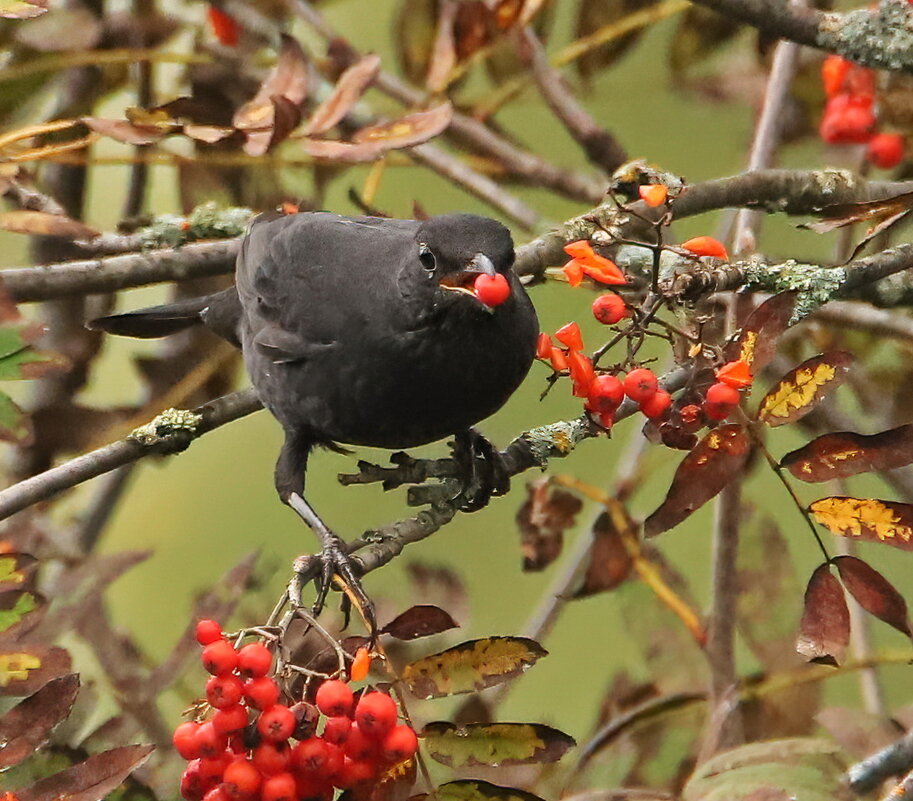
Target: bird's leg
{"type": "Point", "coordinates": [483, 471]}
{"type": "Point", "coordinates": [333, 558]}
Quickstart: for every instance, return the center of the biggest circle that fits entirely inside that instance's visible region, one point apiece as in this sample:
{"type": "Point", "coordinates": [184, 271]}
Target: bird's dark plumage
{"type": "Point", "coordinates": [362, 331]}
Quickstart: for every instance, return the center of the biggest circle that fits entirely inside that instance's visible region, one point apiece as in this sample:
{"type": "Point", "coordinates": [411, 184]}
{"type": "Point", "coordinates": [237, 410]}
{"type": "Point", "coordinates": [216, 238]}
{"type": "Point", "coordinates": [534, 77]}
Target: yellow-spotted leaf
{"type": "Point", "coordinates": [843, 454]}
{"type": "Point", "coordinates": [494, 744]}
{"type": "Point", "coordinates": [17, 571]}
{"type": "Point", "coordinates": [803, 388]}
{"type": "Point", "coordinates": [759, 338]}
{"type": "Point", "coordinates": [25, 668]}
{"type": "Point", "coordinates": [477, 790]}
{"type": "Point", "coordinates": [471, 666]}
{"type": "Point", "coordinates": [867, 519]}
{"type": "Point", "coordinates": [14, 605]}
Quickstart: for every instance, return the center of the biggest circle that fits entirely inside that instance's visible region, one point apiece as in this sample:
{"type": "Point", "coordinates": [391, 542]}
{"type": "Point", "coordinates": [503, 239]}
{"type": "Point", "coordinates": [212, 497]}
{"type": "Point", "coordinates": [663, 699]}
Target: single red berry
{"type": "Point", "coordinates": [375, 714]}
{"type": "Point", "coordinates": [185, 740]}
{"type": "Point", "coordinates": [848, 119]}
{"type": "Point", "coordinates": [280, 787]}
{"type": "Point", "coordinates": [606, 393]}
{"type": "Point", "coordinates": [336, 729]}
{"type": "Point", "coordinates": [334, 761]}
{"type": "Point", "coordinates": [492, 290]}
{"type": "Point", "coordinates": [334, 698]}
{"type": "Point", "coordinates": [400, 744]}
{"type": "Point", "coordinates": [834, 71]}
{"type": "Point", "coordinates": [310, 756]}
{"type": "Point", "coordinates": [225, 690]}
{"type": "Point", "coordinates": [220, 658]}
{"type": "Point", "coordinates": [640, 384]}
{"type": "Point", "coordinates": [271, 758]}
{"type": "Point", "coordinates": [230, 719]}
{"type": "Point", "coordinates": [261, 692]}
{"type": "Point", "coordinates": [313, 787]}
{"type": "Point", "coordinates": [241, 779]}
{"type": "Point", "coordinates": [569, 335]}
{"type": "Point", "coordinates": [224, 27]}
{"type": "Point", "coordinates": [609, 309]}
{"type": "Point", "coordinates": [276, 723]}
{"type": "Point", "coordinates": [254, 660]}
{"type": "Point", "coordinates": [886, 150]}
{"type": "Point", "coordinates": [359, 745]}
{"type": "Point", "coordinates": [217, 794]}
{"type": "Point", "coordinates": [212, 768]}
{"type": "Point", "coordinates": [208, 631]}
{"type": "Point", "coordinates": [193, 784]}
{"type": "Point", "coordinates": [723, 394]}
{"type": "Point", "coordinates": [210, 742]}
{"type": "Point", "coordinates": [544, 346]}
{"type": "Point", "coordinates": [355, 773]}
{"type": "Point", "coordinates": [656, 407]}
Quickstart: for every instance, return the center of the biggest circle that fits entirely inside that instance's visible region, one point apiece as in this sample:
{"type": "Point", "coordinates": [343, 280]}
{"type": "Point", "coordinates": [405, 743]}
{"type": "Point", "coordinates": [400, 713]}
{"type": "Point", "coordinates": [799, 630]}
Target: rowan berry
{"type": "Point", "coordinates": [224, 27]}
{"type": "Point", "coordinates": [886, 150]}
{"type": "Point", "coordinates": [224, 690]}
{"type": "Point", "coordinates": [219, 658]}
{"type": "Point", "coordinates": [208, 631]}
{"type": "Point", "coordinates": [271, 758]}
{"type": "Point", "coordinates": [241, 779]}
{"type": "Point", "coordinates": [185, 740]}
{"type": "Point", "coordinates": [721, 393]}
{"type": "Point", "coordinates": [212, 768]}
{"type": "Point", "coordinates": [609, 309]}
{"type": "Point", "coordinates": [310, 756]}
{"type": "Point", "coordinates": [193, 785]}
{"type": "Point", "coordinates": [280, 787]}
{"type": "Point", "coordinates": [834, 70]}
{"type": "Point", "coordinates": [276, 723]}
{"type": "Point", "coordinates": [230, 719]}
{"type": "Point", "coordinates": [210, 742]}
{"type": "Point", "coordinates": [354, 773]}
{"type": "Point", "coordinates": [399, 744]}
{"type": "Point", "coordinates": [848, 119]}
{"type": "Point", "coordinates": [334, 762]}
{"type": "Point", "coordinates": [606, 394]}
{"type": "Point", "coordinates": [640, 384]}
{"type": "Point", "coordinates": [313, 787]}
{"type": "Point", "coordinates": [261, 692]}
{"type": "Point", "coordinates": [334, 698]}
{"type": "Point", "coordinates": [492, 290]}
{"type": "Point", "coordinates": [217, 794]}
{"type": "Point", "coordinates": [254, 660]}
{"type": "Point", "coordinates": [375, 714]}
{"type": "Point", "coordinates": [336, 729]}
{"type": "Point", "coordinates": [359, 745]}
{"type": "Point", "coordinates": [656, 406]}
{"type": "Point", "coordinates": [569, 335]}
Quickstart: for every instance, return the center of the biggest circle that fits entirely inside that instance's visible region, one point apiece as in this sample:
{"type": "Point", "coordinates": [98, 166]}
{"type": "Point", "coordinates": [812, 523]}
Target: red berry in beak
{"type": "Point", "coordinates": [492, 290]}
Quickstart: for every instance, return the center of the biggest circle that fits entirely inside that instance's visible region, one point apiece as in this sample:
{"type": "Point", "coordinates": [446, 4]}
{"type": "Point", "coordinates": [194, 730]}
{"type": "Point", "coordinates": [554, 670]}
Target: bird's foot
{"type": "Point", "coordinates": [482, 470]}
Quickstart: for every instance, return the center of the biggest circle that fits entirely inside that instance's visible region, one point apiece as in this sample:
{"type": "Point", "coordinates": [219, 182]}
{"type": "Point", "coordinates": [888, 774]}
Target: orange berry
{"type": "Point", "coordinates": [706, 246]}
{"type": "Point", "coordinates": [641, 384]}
{"type": "Point", "coordinates": [609, 309]}
{"type": "Point", "coordinates": [656, 407]}
{"type": "Point", "coordinates": [653, 194]}
{"type": "Point", "coordinates": [886, 150]}
{"type": "Point", "coordinates": [605, 395]}
{"type": "Point", "coordinates": [225, 27]}
{"type": "Point", "coordinates": [833, 72]}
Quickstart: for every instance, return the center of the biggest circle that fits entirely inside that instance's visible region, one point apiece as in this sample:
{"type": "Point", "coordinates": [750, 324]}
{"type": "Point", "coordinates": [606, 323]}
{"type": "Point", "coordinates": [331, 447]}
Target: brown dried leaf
{"type": "Point", "coordinates": [284, 119]}
{"type": "Point", "coordinates": [543, 517]}
{"type": "Point", "coordinates": [334, 150]}
{"type": "Point", "coordinates": [210, 134]}
{"type": "Point", "coordinates": [595, 14]}
{"type": "Point", "coordinates": [407, 131]}
{"type": "Point", "coordinates": [422, 620]}
{"type": "Point", "coordinates": [123, 131]}
{"type": "Point", "coordinates": [494, 744]}
{"type": "Point", "coordinates": [610, 563]}
{"type": "Point", "coordinates": [24, 668]}
{"type": "Point", "coordinates": [26, 727]}
{"type": "Point", "coordinates": [760, 336]}
{"type": "Point", "coordinates": [844, 454]}
{"type": "Point", "coordinates": [700, 32]}
{"type": "Point", "coordinates": [867, 519]}
{"type": "Point", "coordinates": [42, 223]}
{"type": "Point", "coordinates": [873, 592]}
{"type": "Point", "coordinates": [443, 54]}
{"type": "Point", "coordinates": [91, 780]}
{"type": "Point", "coordinates": [351, 85]}
{"type": "Point", "coordinates": [288, 79]}
{"type": "Point", "coordinates": [824, 632]}
{"type": "Point", "coordinates": [714, 462]}
{"type": "Point", "coordinates": [803, 388]}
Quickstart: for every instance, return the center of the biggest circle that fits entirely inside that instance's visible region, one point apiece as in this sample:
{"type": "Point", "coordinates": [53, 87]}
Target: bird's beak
{"type": "Point", "coordinates": [462, 281]}
{"type": "Point", "coordinates": [480, 264]}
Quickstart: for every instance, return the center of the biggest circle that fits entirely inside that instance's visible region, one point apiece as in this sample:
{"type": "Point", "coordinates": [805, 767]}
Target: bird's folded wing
{"type": "Point", "coordinates": [282, 346]}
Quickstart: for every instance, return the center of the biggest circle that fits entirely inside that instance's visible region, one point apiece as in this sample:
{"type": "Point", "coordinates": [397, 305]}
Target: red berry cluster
{"type": "Point", "coordinates": [244, 751]}
{"type": "Point", "coordinates": [850, 112]}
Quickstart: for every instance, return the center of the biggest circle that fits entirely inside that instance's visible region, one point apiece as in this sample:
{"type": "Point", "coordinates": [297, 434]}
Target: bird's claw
{"type": "Point", "coordinates": [483, 473]}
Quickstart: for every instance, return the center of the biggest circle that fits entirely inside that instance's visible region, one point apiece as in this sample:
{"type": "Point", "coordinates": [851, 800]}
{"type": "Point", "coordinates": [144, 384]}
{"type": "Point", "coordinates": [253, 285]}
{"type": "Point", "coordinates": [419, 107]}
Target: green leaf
{"type": "Point", "coordinates": [15, 605]}
{"type": "Point", "coordinates": [19, 359]}
{"type": "Point", "coordinates": [477, 790]}
{"type": "Point", "coordinates": [495, 743]}
{"type": "Point", "coordinates": [15, 425]}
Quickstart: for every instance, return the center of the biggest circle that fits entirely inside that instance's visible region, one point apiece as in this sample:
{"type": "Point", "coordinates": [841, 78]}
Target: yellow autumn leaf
{"type": "Point", "coordinates": [867, 519]}
{"type": "Point", "coordinates": [803, 387]}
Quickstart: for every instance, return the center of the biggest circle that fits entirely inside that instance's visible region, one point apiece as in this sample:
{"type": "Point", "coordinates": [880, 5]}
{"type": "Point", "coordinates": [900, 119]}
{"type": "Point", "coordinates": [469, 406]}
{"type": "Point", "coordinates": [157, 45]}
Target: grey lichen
{"type": "Point", "coordinates": [816, 285]}
{"type": "Point", "coordinates": [557, 439]}
{"type": "Point", "coordinates": [880, 37]}
{"type": "Point", "coordinates": [173, 429]}
{"type": "Point", "coordinates": [206, 221]}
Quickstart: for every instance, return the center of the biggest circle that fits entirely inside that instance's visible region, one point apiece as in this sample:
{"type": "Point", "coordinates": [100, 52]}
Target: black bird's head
{"type": "Point", "coordinates": [455, 249]}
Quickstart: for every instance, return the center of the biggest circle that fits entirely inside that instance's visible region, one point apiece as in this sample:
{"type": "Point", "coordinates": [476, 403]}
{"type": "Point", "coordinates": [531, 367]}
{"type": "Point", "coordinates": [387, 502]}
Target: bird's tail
{"type": "Point", "coordinates": [154, 321]}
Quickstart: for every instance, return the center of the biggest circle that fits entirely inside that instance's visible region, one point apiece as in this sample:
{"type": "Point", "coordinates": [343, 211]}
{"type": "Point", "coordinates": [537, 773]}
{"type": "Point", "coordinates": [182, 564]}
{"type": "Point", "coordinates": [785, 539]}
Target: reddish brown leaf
{"type": "Point", "coordinates": [715, 460]}
{"type": "Point", "coordinates": [803, 388]}
{"type": "Point", "coordinates": [284, 119]}
{"type": "Point", "coordinates": [421, 620]}
{"type": "Point", "coordinates": [759, 338]}
{"type": "Point", "coordinates": [873, 592]}
{"type": "Point", "coordinates": [443, 57]}
{"type": "Point", "coordinates": [207, 133]}
{"type": "Point", "coordinates": [91, 780]}
{"type": "Point", "coordinates": [610, 563]}
{"type": "Point", "coordinates": [24, 668]}
{"type": "Point", "coordinates": [543, 517]}
{"type": "Point", "coordinates": [26, 727]}
{"type": "Point", "coordinates": [867, 519]}
{"type": "Point", "coordinates": [288, 79]}
{"type": "Point", "coordinates": [407, 131]}
{"type": "Point", "coordinates": [334, 150]}
{"type": "Point", "coordinates": [17, 571]}
{"type": "Point", "coordinates": [42, 223]}
{"type": "Point", "coordinates": [348, 89]}
{"type": "Point", "coordinates": [123, 131]}
{"type": "Point", "coordinates": [844, 454]}
{"type": "Point", "coordinates": [824, 632]}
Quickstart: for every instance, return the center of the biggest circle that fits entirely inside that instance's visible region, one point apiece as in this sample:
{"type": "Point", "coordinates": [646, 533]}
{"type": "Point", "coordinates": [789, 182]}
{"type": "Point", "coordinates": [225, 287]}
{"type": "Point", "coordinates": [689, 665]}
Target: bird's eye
{"type": "Point", "coordinates": [426, 257]}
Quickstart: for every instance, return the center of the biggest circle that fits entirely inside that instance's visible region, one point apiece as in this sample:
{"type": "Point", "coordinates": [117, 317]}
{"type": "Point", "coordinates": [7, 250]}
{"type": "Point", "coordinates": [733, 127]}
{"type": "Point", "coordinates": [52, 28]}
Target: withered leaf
{"type": "Point", "coordinates": [209, 134]}
{"type": "Point", "coordinates": [542, 519]}
{"type": "Point", "coordinates": [392, 784]}
{"type": "Point", "coordinates": [494, 744]}
{"type": "Point", "coordinates": [442, 57]}
{"type": "Point", "coordinates": [867, 519]}
{"type": "Point", "coordinates": [22, 9]}
{"type": "Point", "coordinates": [26, 727]}
{"type": "Point", "coordinates": [824, 632]}
{"type": "Point", "coordinates": [288, 79]}
{"type": "Point", "coordinates": [284, 119]}
{"type": "Point", "coordinates": [90, 780]}
{"type": "Point", "coordinates": [413, 129]}
{"type": "Point", "coordinates": [15, 425]}
{"type": "Point", "coordinates": [334, 150]}
{"type": "Point", "coordinates": [421, 620]}
{"type": "Point", "coordinates": [472, 666]}
{"type": "Point", "coordinates": [843, 454]}
{"type": "Point", "coordinates": [803, 388]}
{"type": "Point", "coordinates": [24, 668]}
{"type": "Point", "coordinates": [610, 563]}
{"type": "Point", "coordinates": [127, 132]}
{"type": "Point", "coordinates": [873, 592]}
{"type": "Point", "coordinates": [700, 32]}
{"type": "Point", "coordinates": [759, 338]}
{"type": "Point", "coordinates": [43, 223]}
{"type": "Point", "coordinates": [17, 571]}
{"type": "Point", "coordinates": [348, 89]}
{"type": "Point", "coordinates": [714, 462]}
{"type": "Point", "coordinates": [478, 790]}
{"type": "Point", "coordinates": [593, 15]}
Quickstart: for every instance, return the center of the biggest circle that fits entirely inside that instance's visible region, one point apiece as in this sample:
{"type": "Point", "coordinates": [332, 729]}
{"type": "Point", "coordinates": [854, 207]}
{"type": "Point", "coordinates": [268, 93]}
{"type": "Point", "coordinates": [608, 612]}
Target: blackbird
{"type": "Point", "coordinates": [366, 331]}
